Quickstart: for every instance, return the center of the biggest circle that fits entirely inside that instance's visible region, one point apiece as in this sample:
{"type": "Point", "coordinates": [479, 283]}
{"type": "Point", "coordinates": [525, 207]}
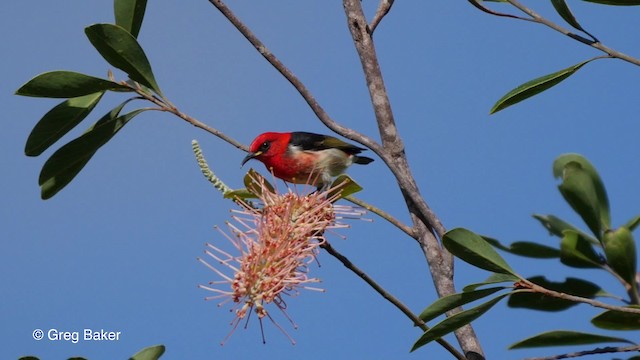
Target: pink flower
{"type": "Point", "coordinates": [275, 244]}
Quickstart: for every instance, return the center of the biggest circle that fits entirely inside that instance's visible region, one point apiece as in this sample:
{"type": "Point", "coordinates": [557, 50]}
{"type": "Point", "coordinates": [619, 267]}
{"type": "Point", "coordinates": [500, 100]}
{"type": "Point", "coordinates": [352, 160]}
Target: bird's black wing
{"type": "Point", "coordinates": [311, 141]}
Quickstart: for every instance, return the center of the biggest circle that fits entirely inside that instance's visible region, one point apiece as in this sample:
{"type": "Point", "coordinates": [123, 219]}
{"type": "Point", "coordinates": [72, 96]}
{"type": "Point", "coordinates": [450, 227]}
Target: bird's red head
{"type": "Point", "coordinates": [268, 147]}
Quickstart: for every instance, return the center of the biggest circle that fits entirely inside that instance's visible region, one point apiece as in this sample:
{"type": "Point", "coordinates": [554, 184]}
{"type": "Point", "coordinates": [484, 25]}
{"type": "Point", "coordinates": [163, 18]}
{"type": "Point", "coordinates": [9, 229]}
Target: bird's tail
{"type": "Point", "coordinates": [362, 160]}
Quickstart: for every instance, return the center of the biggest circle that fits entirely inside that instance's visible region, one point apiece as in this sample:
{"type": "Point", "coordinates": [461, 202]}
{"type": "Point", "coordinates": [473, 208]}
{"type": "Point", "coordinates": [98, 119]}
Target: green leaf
{"type": "Point", "coordinates": [576, 251]}
{"type": "Point", "coordinates": [122, 50]}
{"type": "Point", "coordinates": [563, 10]}
{"type": "Point", "coordinates": [616, 2]}
{"type": "Point", "coordinates": [239, 194]}
{"type": "Point", "coordinates": [633, 223]}
{"type": "Point", "coordinates": [618, 320]}
{"type": "Point", "coordinates": [63, 166]}
{"type": "Point", "coordinates": [578, 190]}
{"type": "Point", "coordinates": [58, 121]}
{"type": "Point", "coordinates": [66, 84]}
{"type": "Point", "coordinates": [473, 249]}
{"type": "Point", "coordinates": [559, 171]}
{"type": "Point", "coordinates": [344, 185]}
{"type": "Point", "coordinates": [526, 248]}
{"type": "Point", "coordinates": [129, 14]}
{"type": "Point", "coordinates": [535, 86]}
{"type": "Point", "coordinates": [565, 338]}
{"type": "Point", "coordinates": [620, 250]}
{"type": "Point", "coordinates": [149, 353]}
{"type": "Point", "coordinates": [556, 226]}
{"type": "Point", "coordinates": [454, 322]}
{"type": "Point", "coordinates": [493, 279]}
{"type": "Point", "coordinates": [255, 183]}
{"type": "Point", "coordinates": [446, 303]}
{"type": "Point", "coordinates": [538, 301]}
{"type": "Point", "coordinates": [28, 358]}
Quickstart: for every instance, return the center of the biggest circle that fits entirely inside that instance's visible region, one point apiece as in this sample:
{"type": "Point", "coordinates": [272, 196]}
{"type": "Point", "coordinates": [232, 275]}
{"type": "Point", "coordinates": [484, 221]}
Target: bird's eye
{"type": "Point", "coordinates": [265, 146]}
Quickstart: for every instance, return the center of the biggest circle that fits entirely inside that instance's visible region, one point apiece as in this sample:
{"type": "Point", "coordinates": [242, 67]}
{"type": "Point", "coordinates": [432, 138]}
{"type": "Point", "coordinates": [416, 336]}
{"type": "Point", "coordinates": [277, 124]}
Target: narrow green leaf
{"type": "Point", "coordinates": [535, 86]}
{"type": "Point", "coordinates": [129, 14]}
{"type": "Point", "coordinates": [526, 248]}
{"type": "Point", "coordinates": [344, 185]}
{"type": "Point", "coordinates": [63, 166]}
{"type": "Point", "coordinates": [122, 50]}
{"type": "Point", "coordinates": [616, 2]}
{"type": "Point", "coordinates": [58, 121]}
{"type": "Point", "coordinates": [633, 223]}
{"type": "Point", "coordinates": [239, 194]}
{"type": "Point", "coordinates": [576, 251]}
{"type": "Point", "coordinates": [564, 160]}
{"type": "Point", "coordinates": [454, 322]}
{"type": "Point", "coordinates": [446, 303]}
{"type": "Point", "coordinates": [620, 250]}
{"type": "Point", "coordinates": [149, 353]}
{"type": "Point", "coordinates": [473, 249]}
{"type": "Point", "coordinates": [255, 183]}
{"type": "Point", "coordinates": [556, 226]}
{"type": "Point", "coordinates": [493, 279]}
{"type": "Point", "coordinates": [66, 84]}
{"type": "Point", "coordinates": [537, 301]}
{"type": "Point", "coordinates": [563, 10]}
{"type": "Point", "coordinates": [618, 320]}
{"type": "Point", "coordinates": [565, 338]}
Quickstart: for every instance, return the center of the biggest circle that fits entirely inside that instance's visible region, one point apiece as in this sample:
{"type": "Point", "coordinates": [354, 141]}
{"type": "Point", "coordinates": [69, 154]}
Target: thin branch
{"type": "Point", "coordinates": [168, 107]}
{"type": "Point", "coordinates": [297, 84]}
{"type": "Point", "coordinates": [479, 6]}
{"type": "Point", "coordinates": [380, 290]}
{"type": "Point", "coordinates": [595, 351]}
{"type": "Point", "coordinates": [383, 10]}
{"type": "Point", "coordinates": [397, 223]}
{"type": "Point", "coordinates": [526, 284]}
{"type": "Point", "coordinates": [595, 44]}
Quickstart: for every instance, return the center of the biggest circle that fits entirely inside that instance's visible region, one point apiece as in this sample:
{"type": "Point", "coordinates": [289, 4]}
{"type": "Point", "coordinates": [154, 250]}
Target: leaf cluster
{"type": "Point", "coordinates": [602, 247]}
{"type": "Point", "coordinates": [118, 45]}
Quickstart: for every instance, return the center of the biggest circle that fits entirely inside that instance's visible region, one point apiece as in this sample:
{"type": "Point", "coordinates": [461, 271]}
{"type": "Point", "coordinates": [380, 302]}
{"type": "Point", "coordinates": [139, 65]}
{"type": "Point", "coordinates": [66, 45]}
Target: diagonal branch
{"type": "Point", "coordinates": [380, 290]}
{"type": "Point", "coordinates": [163, 105]}
{"type": "Point", "coordinates": [526, 284]}
{"type": "Point", "coordinates": [594, 44]}
{"type": "Point", "coordinates": [383, 214]}
{"type": "Point", "coordinates": [297, 83]}
{"type": "Point", "coordinates": [605, 350]}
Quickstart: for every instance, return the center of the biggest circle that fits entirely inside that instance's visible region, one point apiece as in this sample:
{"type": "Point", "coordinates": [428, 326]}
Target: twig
{"type": "Point", "coordinates": [479, 6]}
{"type": "Point", "coordinates": [168, 107]}
{"type": "Point", "coordinates": [595, 351]}
{"type": "Point", "coordinates": [383, 10]}
{"type": "Point", "coordinates": [380, 290]}
{"type": "Point", "coordinates": [407, 230]}
{"type": "Point", "coordinates": [595, 44]}
{"type": "Point", "coordinates": [526, 284]}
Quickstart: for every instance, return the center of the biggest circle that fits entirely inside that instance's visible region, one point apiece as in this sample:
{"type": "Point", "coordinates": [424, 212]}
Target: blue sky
{"type": "Point", "coordinates": [116, 250]}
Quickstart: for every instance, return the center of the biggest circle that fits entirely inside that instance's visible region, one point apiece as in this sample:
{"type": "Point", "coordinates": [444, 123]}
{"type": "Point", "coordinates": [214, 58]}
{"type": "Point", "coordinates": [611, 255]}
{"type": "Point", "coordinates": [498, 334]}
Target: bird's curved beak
{"type": "Point", "coordinates": [250, 156]}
